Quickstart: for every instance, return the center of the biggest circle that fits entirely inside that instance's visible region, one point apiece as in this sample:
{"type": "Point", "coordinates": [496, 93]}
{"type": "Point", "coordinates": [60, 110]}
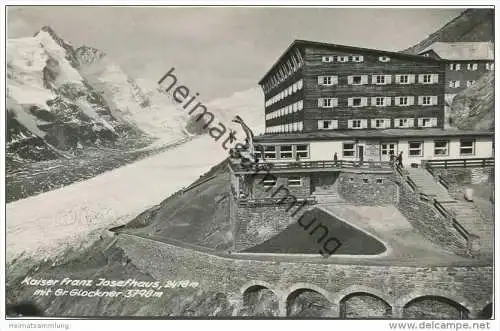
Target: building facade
{"type": "Point", "coordinates": [317, 86]}
{"type": "Point", "coordinates": [466, 62]}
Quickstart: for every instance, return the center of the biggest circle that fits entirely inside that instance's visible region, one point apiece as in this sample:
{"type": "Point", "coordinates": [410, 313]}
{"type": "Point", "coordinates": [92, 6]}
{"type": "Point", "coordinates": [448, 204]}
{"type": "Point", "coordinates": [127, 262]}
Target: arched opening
{"type": "Point", "coordinates": [364, 305]}
{"type": "Point", "coordinates": [305, 302]}
{"type": "Point", "coordinates": [258, 300]}
{"type": "Point", "coordinates": [487, 312]}
{"type": "Point", "coordinates": [434, 307]}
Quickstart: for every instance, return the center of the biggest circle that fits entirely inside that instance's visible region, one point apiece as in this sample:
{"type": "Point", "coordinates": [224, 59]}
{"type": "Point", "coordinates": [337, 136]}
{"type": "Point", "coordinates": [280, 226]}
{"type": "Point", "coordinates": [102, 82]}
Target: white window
{"type": "Point", "coordinates": [403, 79]}
{"type": "Point", "coordinates": [270, 151]}
{"type": "Point", "coordinates": [415, 148]}
{"type": "Point", "coordinates": [427, 79]}
{"type": "Point", "coordinates": [286, 152]}
{"type": "Point", "coordinates": [348, 150]}
{"type": "Point", "coordinates": [384, 59]}
{"type": "Point", "coordinates": [327, 102]}
{"type": "Point", "coordinates": [472, 66]}
{"type": "Point", "coordinates": [427, 100]}
{"type": "Point", "coordinates": [327, 124]}
{"type": "Point", "coordinates": [455, 66]}
{"type": "Point", "coordinates": [342, 58]}
{"type": "Point", "coordinates": [327, 59]}
{"type": "Point", "coordinates": [356, 124]}
{"type": "Point", "coordinates": [300, 105]}
{"type": "Point", "coordinates": [294, 181]}
{"type": "Point", "coordinates": [379, 101]}
{"type": "Point", "coordinates": [379, 79]}
{"type": "Point", "coordinates": [269, 182]}
{"type": "Point", "coordinates": [357, 102]}
{"type": "Point", "coordinates": [403, 122]}
{"type": "Point", "coordinates": [327, 80]}
{"type": "Point", "coordinates": [302, 151]}
{"type": "Point", "coordinates": [300, 83]}
{"type": "Point", "coordinates": [425, 122]}
{"type": "Point", "coordinates": [381, 123]}
{"type": "Point", "coordinates": [490, 66]}
{"type": "Point", "coordinates": [357, 58]}
{"type": "Point", "coordinates": [357, 79]}
{"type": "Point", "coordinates": [403, 101]}
{"type": "Point", "coordinates": [441, 147]}
{"type": "Point", "coordinates": [467, 146]}
{"type": "Point", "coordinates": [470, 82]}
{"type": "Point", "coordinates": [454, 83]}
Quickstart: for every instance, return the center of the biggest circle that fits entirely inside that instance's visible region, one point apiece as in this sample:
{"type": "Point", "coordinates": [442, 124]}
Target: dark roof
{"type": "Point", "coordinates": [362, 134]}
{"type": "Point", "coordinates": [299, 42]}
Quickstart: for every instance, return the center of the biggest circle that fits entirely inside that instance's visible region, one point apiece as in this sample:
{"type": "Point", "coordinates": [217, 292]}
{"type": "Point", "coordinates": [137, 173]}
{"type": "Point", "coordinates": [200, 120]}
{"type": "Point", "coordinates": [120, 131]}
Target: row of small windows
{"type": "Point", "coordinates": [456, 83]}
{"type": "Point", "coordinates": [297, 86]}
{"type": "Point", "coordinates": [471, 66]}
{"type": "Point", "coordinates": [380, 79]}
{"type": "Point", "coordinates": [416, 148]}
{"type": "Point", "coordinates": [379, 123]}
{"type": "Point", "coordinates": [294, 107]}
{"type": "Point", "coordinates": [293, 181]}
{"type": "Point", "coordinates": [349, 58]}
{"type": "Point", "coordinates": [425, 100]}
{"type": "Point", "coordinates": [284, 70]}
{"type": "Point", "coordinates": [287, 152]}
{"type": "Point", "coordinates": [282, 128]}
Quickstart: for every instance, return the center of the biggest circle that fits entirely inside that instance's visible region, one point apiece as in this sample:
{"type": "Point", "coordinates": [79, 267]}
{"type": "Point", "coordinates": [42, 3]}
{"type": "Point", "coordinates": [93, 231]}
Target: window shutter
{"type": "Point", "coordinates": [387, 123]}
{"type": "Point", "coordinates": [434, 121]}
{"type": "Point", "coordinates": [335, 124]}
{"type": "Point", "coordinates": [420, 100]}
{"type": "Point", "coordinates": [411, 100]}
{"type": "Point", "coordinates": [388, 79]}
{"type": "Point", "coordinates": [320, 102]}
{"type": "Point", "coordinates": [434, 100]}
{"type": "Point", "coordinates": [411, 79]}
{"type": "Point", "coordinates": [349, 80]}
{"type": "Point", "coordinates": [387, 101]}
{"type": "Point", "coordinates": [374, 79]}
{"type": "Point", "coordinates": [411, 122]}
{"type": "Point", "coordinates": [374, 101]}
{"type": "Point", "coordinates": [364, 101]}
{"type": "Point", "coordinates": [335, 80]}
{"type": "Point", "coordinates": [320, 80]}
{"type": "Point", "coordinates": [420, 78]}
{"type": "Point", "coordinates": [398, 79]}
{"type": "Point", "coordinates": [373, 124]}
{"type": "Point", "coordinates": [435, 78]}
{"type": "Point", "coordinates": [299, 106]}
{"type": "Point", "coordinates": [349, 102]}
{"type": "Point", "coordinates": [364, 124]}
{"type": "Point", "coordinates": [419, 122]}
{"type": "Point", "coordinates": [364, 79]}
{"type": "Point", "coordinates": [335, 102]}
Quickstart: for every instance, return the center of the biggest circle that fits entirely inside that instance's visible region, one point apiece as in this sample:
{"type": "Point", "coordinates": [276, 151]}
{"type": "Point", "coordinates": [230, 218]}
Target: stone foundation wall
{"type": "Point", "coordinates": [429, 222]}
{"type": "Point", "coordinates": [259, 191]}
{"type": "Point", "coordinates": [368, 188]}
{"type": "Point", "coordinates": [467, 285]}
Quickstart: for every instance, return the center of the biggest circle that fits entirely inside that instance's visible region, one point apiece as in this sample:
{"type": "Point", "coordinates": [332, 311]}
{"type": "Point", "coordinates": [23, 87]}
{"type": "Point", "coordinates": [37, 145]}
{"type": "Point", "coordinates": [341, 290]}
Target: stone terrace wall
{"type": "Point", "coordinates": [366, 189]}
{"type": "Point", "coordinates": [397, 285]}
{"type": "Point", "coordinates": [427, 220]}
{"type": "Point", "coordinates": [458, 178]}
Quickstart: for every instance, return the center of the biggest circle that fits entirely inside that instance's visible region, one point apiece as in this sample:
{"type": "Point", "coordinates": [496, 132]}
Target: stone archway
{"type": "Point", "coordinates": [259, 300]}
{"type": "Point", "coordinates": [434, 307]}
{"type": "Point", "coordinates": [364, 305]}
{"type": "Point", "coordinates": [308, 302]}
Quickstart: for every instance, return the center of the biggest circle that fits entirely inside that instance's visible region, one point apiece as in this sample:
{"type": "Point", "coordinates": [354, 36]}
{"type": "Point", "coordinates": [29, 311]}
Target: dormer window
{"type": "Point", "coordinates": [342, 58]}
{"type": "Point", "coordinates": [327, 59]}
{"type": "Point", "coordinates": [357, 58]}
{"type": "Point", "coordinates": [384, 58]}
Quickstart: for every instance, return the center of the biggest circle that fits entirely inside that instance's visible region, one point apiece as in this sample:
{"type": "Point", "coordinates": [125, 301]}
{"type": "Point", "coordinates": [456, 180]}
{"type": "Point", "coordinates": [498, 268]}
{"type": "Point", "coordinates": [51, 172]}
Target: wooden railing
{"type": "Point", "coordinates": [461, 163]}
{"type": "Point", "coordinates": [330, 164]}
{"type": "Point", "coordinates": [275, 201]}
{"type": "Point", "coordinates": [437, 178]}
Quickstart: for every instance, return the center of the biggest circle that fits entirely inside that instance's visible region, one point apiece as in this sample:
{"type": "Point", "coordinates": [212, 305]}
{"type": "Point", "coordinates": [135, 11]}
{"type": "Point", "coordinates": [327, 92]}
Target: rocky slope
{"type": "Point", "coordinates": [474, 107]}
{"type": "Point", "coordinates": [471, 25]}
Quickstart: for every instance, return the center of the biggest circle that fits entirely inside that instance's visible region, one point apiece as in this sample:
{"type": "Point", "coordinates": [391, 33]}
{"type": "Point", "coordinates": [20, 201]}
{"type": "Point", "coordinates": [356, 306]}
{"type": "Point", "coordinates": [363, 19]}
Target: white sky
{"type": "Point", "coordinates": [218, 51]}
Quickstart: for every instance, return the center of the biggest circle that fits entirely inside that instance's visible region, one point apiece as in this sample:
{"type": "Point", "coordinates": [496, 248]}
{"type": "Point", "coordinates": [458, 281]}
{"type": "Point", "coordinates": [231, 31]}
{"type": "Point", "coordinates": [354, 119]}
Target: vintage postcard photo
{"type": "Point", "coordinates": [250, 162]}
